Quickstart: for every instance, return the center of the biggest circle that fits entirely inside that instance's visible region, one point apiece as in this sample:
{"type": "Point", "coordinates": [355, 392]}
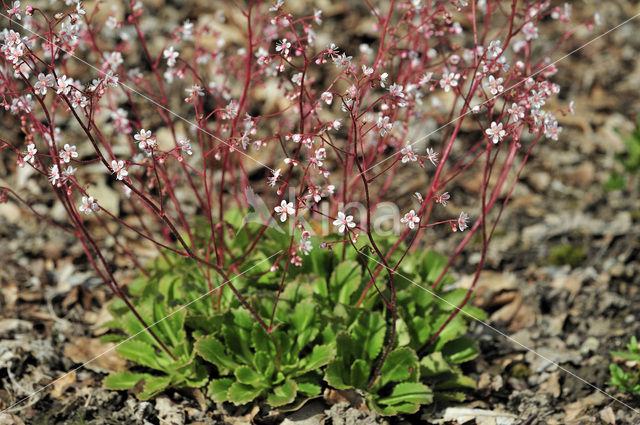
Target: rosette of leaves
{"type": "Point", "coordinates": [283, 365]}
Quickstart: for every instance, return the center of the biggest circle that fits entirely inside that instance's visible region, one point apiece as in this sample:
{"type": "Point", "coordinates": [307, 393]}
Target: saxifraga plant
{"type": "Point", "coordinates": [307, 133]}
{"type": "Point", "coordinates": [320, 335]}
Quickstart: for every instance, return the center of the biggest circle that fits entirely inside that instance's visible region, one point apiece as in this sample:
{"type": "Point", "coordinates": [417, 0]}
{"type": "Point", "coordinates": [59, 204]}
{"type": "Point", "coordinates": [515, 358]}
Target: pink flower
{"type": "Point", "coordinates": [343, 222]}
{"type": "Point", "coordinates": [284, 210]}
{"type": "Point", "coordinates": [410, 219]}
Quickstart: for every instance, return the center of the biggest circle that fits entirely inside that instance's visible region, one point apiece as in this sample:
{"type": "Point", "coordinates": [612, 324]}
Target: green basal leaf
{"type": "Point", "coordinates": [409, 392]}
{"type": "Point", "coordinates": [239, 393]}
{"type": "Point", "coordinates": [336, 374]}
{"type": "Point", "coordinates": [212, 350]}
{"type": "Point", "coordinates": [401, 364]}
{"type": "Point", "coordinates": [320, 356]}
{"type": "Point", "coordinates": [455, 381]}
{"type": "Point", "coordinates": [460, 350]}
{"type": "Point", "coordinates": [344, 282]}
{"type": "Point", "coordinates": [153, 386]}
{"type": "Point", "coordinates": [283, 394]}
{"type": "Point", "coordinates": [359, 374]}
{"type": "Point", "coordinates": [124, 380]}
{"type": "Point", "coordinates": [218, 389]}
{"type": "Point", "coordinates": [139, 352]}
{"type": "Point", "coordinates": [246, 375]}
{"type": "Point", "coordinates": [456, 328]}
{"type": "Point", "coordinates": [368, 332]}
{"type": "Point", "coordinates": [434, 364]}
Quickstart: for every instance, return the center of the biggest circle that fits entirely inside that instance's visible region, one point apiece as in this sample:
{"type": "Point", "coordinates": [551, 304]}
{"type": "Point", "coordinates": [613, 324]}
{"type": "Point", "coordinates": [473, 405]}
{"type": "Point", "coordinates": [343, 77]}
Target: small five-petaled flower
{"type": "Point", "coordinates": [343, 222]}
{"type": "Point", "coordinates": [285, 209]}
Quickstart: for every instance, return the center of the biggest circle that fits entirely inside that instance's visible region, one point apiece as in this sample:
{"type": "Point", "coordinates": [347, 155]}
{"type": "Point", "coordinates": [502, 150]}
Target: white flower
{"type": "Point", "coordinates": [88, 205]}
{"type": "Point", "coordinates": [530, 31]}
{"type": "Point", "coordinates": [54, 175]}
{"type": "Point", "coordinates": [43, 82]}
{"type": "Point", "coordinates": [67, 153]}
{"type": "Point", "coordinates": [146, 141]}
{"type": "Point", "coordinates": [408, 155]}
{"type": "Point", "coordinates": [185, 145]}
{"type": "Point", "coordinates": [64, 85]}
{"type": "Point", "coordinates": [66, 174]}
{"type": "Point", "coordinates": [171, 56]}
{"type": "Point", "coordinates": [496, 133]}
{"type": "Point", "coordinates": [410, 219]}
{"type": "Point", "coordinates": [442, 199]}
{"type": "Point", "coordinates": [343, 222]}
{"type": "Point", "coordinates": [297, 78]}
{"type": "Point", "coordinates": [15, 10]}
{"type": "Point", "coordinates": [30, 156]}
{"type": "Point", "coordinates": [119, 168]}
{"type": "Point", "coordinates": [449, 80]}
{"type": "Point", "coordinates": [274, 178]}
{"type": "Point", "coordinates": [495, 86]}
{"type": "Point", "coordinates": [384, 125]}
{"type": "Point", "coordinates": [432, 156]}
{"type": "Point", "coordinates": [516, 112]}
{"type": "Point", "coordinates": [462, 221]}
{"type": "Point", "coordinates": [327, 97]}
{"type": "Point", "coordinates": [284, 210]}
{"type": "Point", "coordinates": [383, 79]}
{"type": "Point", "coordinates": [283, 47]}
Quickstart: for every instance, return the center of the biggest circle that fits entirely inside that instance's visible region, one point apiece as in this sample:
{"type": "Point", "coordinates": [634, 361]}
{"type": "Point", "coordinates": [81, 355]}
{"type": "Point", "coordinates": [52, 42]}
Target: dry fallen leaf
{"type": "Point", "coordinates": [61, 385]}
{"type": "Point", "coordinates": [81, 350]}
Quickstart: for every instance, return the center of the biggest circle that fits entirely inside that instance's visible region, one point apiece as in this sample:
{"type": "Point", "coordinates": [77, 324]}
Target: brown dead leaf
{"type": "Point", "coordinates": [81, 350]}
{"type": "Point", "coordinates": [61, 385]}
{"type": "Point", "coordinates": [578, 408]}
{"type": "Point", "coordinates": [332, 397]}
{"type": "Point", "coordinates": [551, 385]}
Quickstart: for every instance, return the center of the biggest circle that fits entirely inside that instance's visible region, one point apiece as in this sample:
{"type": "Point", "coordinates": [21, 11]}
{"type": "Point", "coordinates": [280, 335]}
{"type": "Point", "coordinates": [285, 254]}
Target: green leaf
{"type": "Point", "coordinates": [218, 389]}
{"type": "Point", "coordinates": [369, 331]}
{"type": "Point", "coordinates": [455, 381]}
{"type": "Point", "coordinates": [460, 350]}
{"type": "Point", "coordinates": [456, 327]}
{"type": "Point", "coordinates": [359, 374]}
{"type": "Point", "coordinates": [265, 364]}
{"type": "Point", "coordinates": [345, 280]}
{"type": "Point", "coordinates": [154, 385]}
{"type": "Point", "coordinates": [283, 394]}
{"type": "Point", "coordinates": [246, 375]}
{"type": "Point", "coordinates": [336, 375]}
{"type": "Point", "coordinates": [320, 356]}
{"type": "Point", "coordinates": [625, 355]}
{"type": "Point", "coordinates": [400, 364]}
{"type": "Point", "coordinates": [309, 384]}
{"type": "Point", "coordinates": [124, 380]}
{"type": "Point", "coordinates": [434, 364]}
{"type": "Point", "coordinates": [409, 392]}
{"type": "Point", "coordinates": [242, 393]}
{"type": "Point", "coordinates": [212, 350]}
{"type": "Point", "coordinates": [139, 352]}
